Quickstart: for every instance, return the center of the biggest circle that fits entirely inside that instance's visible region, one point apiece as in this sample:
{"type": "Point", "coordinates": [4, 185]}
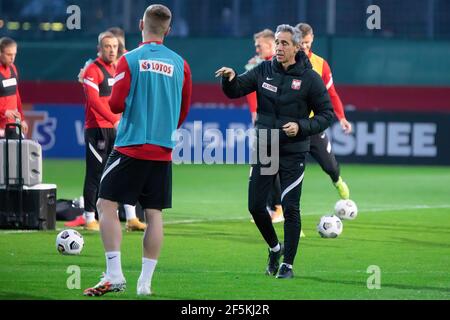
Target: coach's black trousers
{"type": "Point", "coordinates": [99, 144]}
{"type": "Point", "coordinates": [291, 170]}
{"type": "Point", "coordinates": [320, 150]}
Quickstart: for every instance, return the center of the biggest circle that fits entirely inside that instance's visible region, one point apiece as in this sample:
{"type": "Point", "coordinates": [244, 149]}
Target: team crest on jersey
{"type": "Point", "coordinates": [156, 66]}
{"type": "Point", "coordinates": [296, 84]}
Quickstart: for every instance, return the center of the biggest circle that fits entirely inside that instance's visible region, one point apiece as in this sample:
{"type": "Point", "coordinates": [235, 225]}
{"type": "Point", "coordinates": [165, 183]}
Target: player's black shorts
{"type": "Point", "coordinates": [128, 180]}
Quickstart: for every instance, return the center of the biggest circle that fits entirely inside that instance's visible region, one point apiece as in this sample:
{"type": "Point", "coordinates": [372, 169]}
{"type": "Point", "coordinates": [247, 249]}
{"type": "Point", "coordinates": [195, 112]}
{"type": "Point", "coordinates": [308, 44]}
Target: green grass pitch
{"type": "Point", "coordinates": [212, 250]}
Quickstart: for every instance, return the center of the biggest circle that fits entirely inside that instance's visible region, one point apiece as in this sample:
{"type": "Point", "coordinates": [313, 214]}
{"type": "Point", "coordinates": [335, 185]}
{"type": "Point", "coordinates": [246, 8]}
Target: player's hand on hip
{"type": "Point", "coordinates": [346, 126]}
{"type": "Point", "coordinates": [226, 73]}
{"type": "Point", "coordinates": [291, 129]}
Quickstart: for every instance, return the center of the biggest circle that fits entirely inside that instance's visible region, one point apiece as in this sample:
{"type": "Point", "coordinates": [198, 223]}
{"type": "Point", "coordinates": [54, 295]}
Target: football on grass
{"type": "Point", "coordinates": [69, 242]}
{"type": "Point", "coordinates": [329, 226]}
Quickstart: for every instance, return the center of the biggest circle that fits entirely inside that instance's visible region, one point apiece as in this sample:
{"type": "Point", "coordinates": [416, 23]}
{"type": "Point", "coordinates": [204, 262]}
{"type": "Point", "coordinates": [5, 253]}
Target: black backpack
{"type": "Point", "coordinates": [66, 210]}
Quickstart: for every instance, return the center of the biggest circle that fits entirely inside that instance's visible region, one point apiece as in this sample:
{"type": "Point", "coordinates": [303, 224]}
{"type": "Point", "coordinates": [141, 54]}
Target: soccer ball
{"type": "Point", "coordinates": [346, 209]}
{"type": "Point", "coordinates": [329, 226]}
{"type": "Point", "coordinates": [69, 242]}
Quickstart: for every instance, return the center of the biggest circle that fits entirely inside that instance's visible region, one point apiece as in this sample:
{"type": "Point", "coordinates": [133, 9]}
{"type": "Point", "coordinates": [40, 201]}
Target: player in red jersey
{"type": "Point", "coordinates": [10, 102]}
{"type": "Point", "coordinates": [133, 223]}
{"type": "Point", "coordinates": [320, 145]}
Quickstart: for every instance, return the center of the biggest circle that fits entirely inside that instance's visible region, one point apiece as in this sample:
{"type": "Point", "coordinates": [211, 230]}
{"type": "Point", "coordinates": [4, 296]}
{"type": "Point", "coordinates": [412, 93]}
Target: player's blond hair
{"type": "Point", "coordinates": [157, 18]}
{"type": "Point", "coordinates": [120, 35]}
{"type": "Point", "coordinates": [305, 29]}
{"type": "Point", "coordinates": [6, 42]}
{"type": "Point", "coordinates": [105, 35]}
{"type": "Point", "coordinates": [265, 34]}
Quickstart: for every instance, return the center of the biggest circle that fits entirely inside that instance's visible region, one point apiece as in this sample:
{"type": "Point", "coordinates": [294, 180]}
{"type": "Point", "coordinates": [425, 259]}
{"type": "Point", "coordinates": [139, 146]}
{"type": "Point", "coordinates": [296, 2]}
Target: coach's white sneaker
{"type": "Point", "coordinates": [143, 288]}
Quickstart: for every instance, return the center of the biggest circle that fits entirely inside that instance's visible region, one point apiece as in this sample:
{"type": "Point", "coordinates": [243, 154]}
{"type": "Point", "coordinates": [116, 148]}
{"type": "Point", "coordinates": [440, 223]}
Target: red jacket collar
{"type": "Point", "coordinates": [102, 62]}
{"type": "Point", "coordinates": [3, 67]}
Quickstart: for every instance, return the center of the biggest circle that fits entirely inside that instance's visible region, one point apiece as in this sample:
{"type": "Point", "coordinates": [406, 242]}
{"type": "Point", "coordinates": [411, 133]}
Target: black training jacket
{"type": "Point", "coordinates": [286, 96]}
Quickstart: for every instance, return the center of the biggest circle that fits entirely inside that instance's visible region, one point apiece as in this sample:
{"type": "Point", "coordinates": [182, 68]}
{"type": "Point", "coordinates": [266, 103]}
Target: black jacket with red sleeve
{"type": "Point", "coordinates": [286, 96]}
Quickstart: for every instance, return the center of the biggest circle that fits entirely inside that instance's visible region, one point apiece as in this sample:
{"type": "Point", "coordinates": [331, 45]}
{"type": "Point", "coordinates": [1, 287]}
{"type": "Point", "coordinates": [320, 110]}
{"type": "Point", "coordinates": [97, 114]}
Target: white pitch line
{"type": "Point", "coordinates": [400, 208]}
{"type": "Point", "coordinates": [188, 221]}
{"type": "Point", "coordinates": [17, 231]}
{"type": "Point", "coordinates": [226, 219]}
{"type": "Point", "coordinates": [397, 208]}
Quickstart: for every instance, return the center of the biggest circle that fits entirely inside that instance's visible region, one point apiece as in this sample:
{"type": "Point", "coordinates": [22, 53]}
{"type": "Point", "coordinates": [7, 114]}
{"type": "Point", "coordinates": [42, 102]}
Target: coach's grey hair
{"type": "Point", "coordinates": [296, 36]}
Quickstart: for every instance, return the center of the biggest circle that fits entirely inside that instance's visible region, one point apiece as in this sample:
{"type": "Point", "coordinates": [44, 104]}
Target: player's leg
{"type": "Point", "coordinates": [292, 169]}
{"type": "Point", "coordinates": [152, 243]}
{"type": "Point", "coordinates": [110, 227]}
{"type": "Point", "coordinates": [95, 161]}
{"type": "Point", "coordinates": [321, 151]}
{"type": "Point", "coordinates": [156, 196]}
{"type": "Point", "coordinates": [111, 232]}
{"type": "Point", "coordinates": [133, 223]}
{"type": "Point", "coordinates": [121, 182]}
{"type": "Point", "coordinates": [100, 144]}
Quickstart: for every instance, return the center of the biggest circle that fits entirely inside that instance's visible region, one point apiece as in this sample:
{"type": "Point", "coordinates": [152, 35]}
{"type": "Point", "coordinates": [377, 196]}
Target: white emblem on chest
{"type": "Point", "coordinates": [269, 87]}
{"type": "Point", "coordinates": [9, 82]}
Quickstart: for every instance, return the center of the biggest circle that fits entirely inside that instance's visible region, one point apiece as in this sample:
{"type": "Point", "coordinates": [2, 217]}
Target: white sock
{"type": "Point", "coordinates": [89, 216]}
{"type": "Point", "coordinates": [130, 211]}
{"type": "Point", "coordinates": [276, 248]}
{"type": "Point", "coordinates": [148, 266]}
{"type": "Point", "coordinates": [113, 265]}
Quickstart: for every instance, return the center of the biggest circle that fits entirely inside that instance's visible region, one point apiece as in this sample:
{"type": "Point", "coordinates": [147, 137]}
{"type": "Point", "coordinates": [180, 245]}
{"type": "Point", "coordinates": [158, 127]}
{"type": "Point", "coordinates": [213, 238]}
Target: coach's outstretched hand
{"type": "Point", "coordinates": [226, 73]}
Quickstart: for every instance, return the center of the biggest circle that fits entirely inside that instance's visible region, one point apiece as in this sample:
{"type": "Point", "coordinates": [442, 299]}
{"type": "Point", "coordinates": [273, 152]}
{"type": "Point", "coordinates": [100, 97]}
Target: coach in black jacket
{"type": "Point", "coordinates": [287, 90]}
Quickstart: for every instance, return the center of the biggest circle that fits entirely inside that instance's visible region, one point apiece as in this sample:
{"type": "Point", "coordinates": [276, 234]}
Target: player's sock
{"type": "Point", "coordinates": [89, 216]}
{"type": "Point", "coordinates": [276, 248]}
{"type": "Point", "coordinates": [113, 265]}
{"type": "Point", "coordinates": [130, 211]}
{"type": "Point", "coordinates": [148, 267]}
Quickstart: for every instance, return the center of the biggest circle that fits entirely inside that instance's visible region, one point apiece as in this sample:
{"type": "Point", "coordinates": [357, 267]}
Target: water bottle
{"type": "Point", "coordinates": [17, 128]}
